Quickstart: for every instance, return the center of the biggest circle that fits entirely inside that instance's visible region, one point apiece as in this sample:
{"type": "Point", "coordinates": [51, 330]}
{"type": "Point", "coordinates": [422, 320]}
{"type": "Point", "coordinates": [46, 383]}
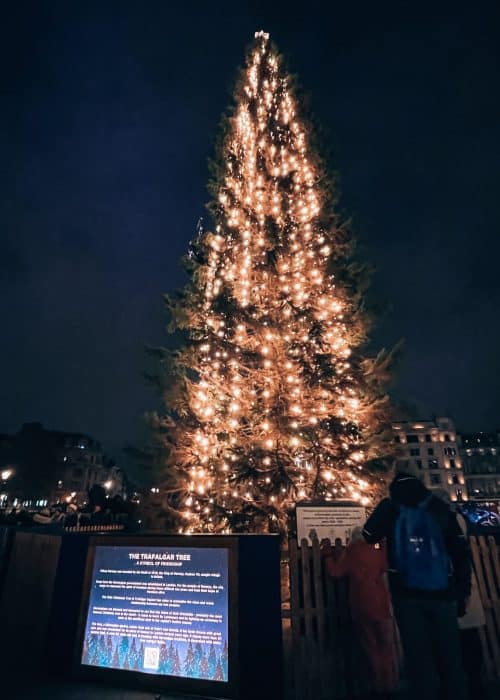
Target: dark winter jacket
{"type": "Point", "coordinates": [407, 490]}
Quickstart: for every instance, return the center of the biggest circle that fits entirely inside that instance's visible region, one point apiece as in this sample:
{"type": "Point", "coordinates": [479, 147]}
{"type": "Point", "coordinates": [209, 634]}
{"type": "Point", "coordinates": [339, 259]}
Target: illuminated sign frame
{"type": "Point", "coordinates": [141, 679]}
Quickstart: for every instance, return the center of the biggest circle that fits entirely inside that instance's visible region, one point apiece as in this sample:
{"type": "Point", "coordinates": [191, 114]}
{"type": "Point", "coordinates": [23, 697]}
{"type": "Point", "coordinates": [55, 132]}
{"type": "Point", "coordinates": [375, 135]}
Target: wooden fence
{"type": "Point", "coordinates": [323, 654]}
{"type": "Point", "coordinates": [485, 556]}
{"type": "Point", "coordinates": [95, 528]}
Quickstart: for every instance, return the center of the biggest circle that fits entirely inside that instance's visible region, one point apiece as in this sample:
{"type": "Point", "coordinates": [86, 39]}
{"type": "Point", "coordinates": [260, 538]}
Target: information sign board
{"type": "Point", "coordinates": [183, 614]}
{"type": "Point", "coordinates": [159, 610]}
{"type": "Point", "coordinates": [328, 520]}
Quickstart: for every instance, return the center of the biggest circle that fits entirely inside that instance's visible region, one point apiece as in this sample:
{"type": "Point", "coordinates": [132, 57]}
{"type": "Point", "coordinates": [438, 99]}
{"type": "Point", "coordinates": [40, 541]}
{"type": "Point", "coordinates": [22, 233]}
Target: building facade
{"type": "Point", "coordinates": [480, 454]}
{"type": "Point", "coordinates": [49, 466]}
{"type": "Point", "coordinates": [430, 450]}
{"type": "Point", "coordinates": [82, 464]}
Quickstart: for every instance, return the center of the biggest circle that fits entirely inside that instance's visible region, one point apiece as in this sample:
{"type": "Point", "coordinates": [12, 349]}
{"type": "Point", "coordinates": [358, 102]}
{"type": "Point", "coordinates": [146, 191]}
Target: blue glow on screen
{"type": "Point", "coordinates": [159, 610]}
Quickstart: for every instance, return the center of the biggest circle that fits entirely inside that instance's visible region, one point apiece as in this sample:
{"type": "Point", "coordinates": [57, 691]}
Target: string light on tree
{"type": "Point", "coordinates": [271, 400]}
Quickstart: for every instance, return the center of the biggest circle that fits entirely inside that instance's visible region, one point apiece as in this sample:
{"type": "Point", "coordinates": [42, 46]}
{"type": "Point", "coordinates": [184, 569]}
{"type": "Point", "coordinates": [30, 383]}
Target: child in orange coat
{"type": "Point", "coordinates": [365, 566]}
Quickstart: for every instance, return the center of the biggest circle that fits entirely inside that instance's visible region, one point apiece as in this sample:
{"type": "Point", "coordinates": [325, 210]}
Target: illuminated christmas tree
{"type": "Point", "coordinates": [273, 399]}
{"type": "Point", "coordinates": [219, 673]}
{"type": "Point", "coordinates": [109, 650]}
{"type": "Point", "coordinates": [204, 669]}
{"type": "Point", "coordinates": [176, 668]}
{"type": "Point", "coordinates": [212, 661]}
{"type": "Point", "coordinates": [224, 659]}
{"type": "Point", "coordinates": [123, 650]}
{"type": "Point", "coordinates": [189, 662]}
{"type": "Point", "coordinates": [198, 654]}
{"type": "Point", "coordinates": [163, 668]}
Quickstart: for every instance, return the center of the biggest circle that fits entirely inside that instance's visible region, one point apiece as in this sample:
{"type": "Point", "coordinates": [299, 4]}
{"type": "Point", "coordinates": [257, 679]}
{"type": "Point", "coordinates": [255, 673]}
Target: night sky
{"type": "Point", "coordinates": [108, 116]}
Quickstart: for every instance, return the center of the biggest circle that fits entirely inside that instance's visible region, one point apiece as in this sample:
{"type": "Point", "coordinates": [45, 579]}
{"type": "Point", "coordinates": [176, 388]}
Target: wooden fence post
{"type": "Point", "coordinates": [485, 560]}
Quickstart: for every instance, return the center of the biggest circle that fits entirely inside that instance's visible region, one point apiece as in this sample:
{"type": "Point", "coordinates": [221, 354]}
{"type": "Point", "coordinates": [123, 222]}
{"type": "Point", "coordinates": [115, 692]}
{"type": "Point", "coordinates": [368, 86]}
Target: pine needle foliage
{"type": "Point", "coordinates": [273, 397]}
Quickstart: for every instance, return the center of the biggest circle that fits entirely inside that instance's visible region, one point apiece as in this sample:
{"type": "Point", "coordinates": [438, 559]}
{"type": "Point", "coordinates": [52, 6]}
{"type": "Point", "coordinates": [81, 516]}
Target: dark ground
{"type": "Point", "coordinates": [81, 691]}
{"type": "Point", "coordinates": [77, 691]}
{"type": "Point", "coordinates": [60, 690]}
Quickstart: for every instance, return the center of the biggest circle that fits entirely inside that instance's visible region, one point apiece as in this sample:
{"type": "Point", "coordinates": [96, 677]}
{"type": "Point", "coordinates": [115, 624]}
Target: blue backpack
{"type": "Point", "coordinates": [419, 552]}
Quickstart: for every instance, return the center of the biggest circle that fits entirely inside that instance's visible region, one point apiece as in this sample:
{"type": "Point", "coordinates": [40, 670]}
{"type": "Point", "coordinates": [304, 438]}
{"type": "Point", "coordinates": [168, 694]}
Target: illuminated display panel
{"type": "Point", "coordinates": [159, 610]}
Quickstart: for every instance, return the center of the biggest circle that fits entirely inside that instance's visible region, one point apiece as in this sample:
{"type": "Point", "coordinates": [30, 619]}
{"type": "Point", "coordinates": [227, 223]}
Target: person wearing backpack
{"type": "Point", "coordinates": [430, 580]}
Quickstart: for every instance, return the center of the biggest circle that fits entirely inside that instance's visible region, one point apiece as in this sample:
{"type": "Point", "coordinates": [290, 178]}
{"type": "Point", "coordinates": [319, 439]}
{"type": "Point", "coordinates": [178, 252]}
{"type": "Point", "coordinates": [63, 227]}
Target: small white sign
{"type": "Point", "coordinates": [152, 658]}
{"type": "Point", "coordinates": [328, 520]}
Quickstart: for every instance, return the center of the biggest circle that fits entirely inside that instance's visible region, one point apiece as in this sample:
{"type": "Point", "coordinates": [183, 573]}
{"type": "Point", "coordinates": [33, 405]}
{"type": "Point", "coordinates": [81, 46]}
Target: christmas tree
{"type": "Point", "coordinates": [102, 651]}
{"type": "Point", "coordinates": [170, 658]}
{"type": "Point", "coordinates": [123, 650]}
{"type": "Point", "coordinates": [163, 668]}
{"type": "Point", "coordinates": [273, 398]}
{"type": "Point", "coordinates": [204, 669]}
{"type": "Point", "coordinates": [115, 661]}
{"type": "Point", "coordinates": [198, 654]}
{"type": "Point", "coordinates": [134, 659]}
{"type": "Point", "coordinates": [92, 648]}
{"type": "Point", "coordinates": [212, 661]}
{"type": "Point", "coordinates": [109, 650]}
{"type": "Point", "coordinates": [219, 672]}
{"type": "Point", "coordinates": [85, 652]}
{"type": "Point", "coordinates": [176, 669]}
{"type": "Point", "coordinates": [224, 660]}
{"type": "Point", "coordinates": [189, 662]}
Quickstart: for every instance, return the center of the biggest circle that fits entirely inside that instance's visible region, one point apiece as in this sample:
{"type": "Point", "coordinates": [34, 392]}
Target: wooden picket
{"type": "Point", "coordinates": [324, 657]}
{"type": "Point", "coordinates": [95, 528]}
{"type": "Point", "coordinates": [323, 651]}
{"type": "Point", "coordinates": [485, 557]}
